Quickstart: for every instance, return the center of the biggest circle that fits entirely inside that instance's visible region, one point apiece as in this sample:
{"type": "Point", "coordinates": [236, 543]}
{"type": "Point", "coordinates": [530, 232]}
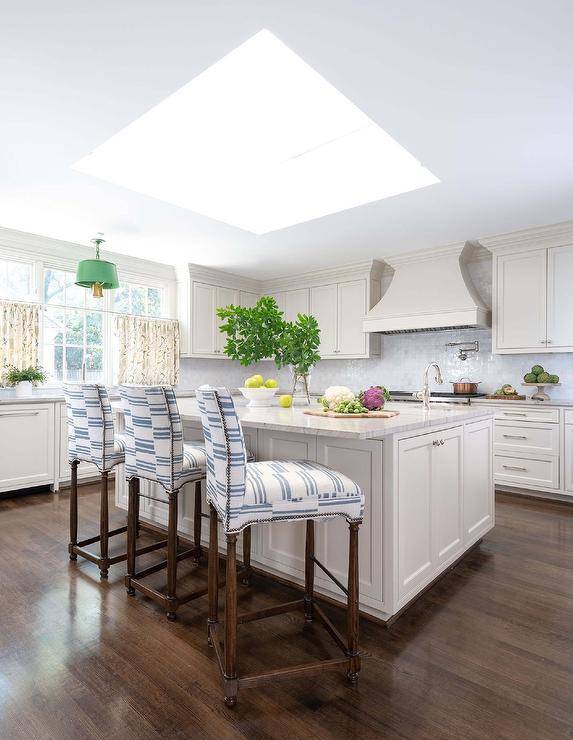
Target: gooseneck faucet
{"type": "Point", "coordinates": [424, 394]}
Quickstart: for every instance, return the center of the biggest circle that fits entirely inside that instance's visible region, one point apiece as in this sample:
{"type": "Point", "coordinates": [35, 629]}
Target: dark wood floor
{"type": "Point", "coordinates": [487, 652]}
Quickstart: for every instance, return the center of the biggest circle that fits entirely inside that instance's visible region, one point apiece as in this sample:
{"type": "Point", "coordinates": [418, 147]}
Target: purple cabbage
{"type": "Point", "coordinates": [373, 398]}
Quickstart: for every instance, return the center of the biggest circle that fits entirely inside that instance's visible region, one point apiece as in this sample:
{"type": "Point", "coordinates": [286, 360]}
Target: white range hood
{"type": "Point", "coordinates": [430, 291]}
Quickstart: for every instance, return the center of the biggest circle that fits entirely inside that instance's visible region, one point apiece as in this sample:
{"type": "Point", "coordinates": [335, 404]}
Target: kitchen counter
{"type": "Point", "coordinates": [427, 479]}
{"type": "Point", "coordinates": [411, 418]}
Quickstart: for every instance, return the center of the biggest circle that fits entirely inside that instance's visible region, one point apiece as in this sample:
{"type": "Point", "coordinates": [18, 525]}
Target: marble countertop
{"type": "Point", "coordinates": [411, 418]}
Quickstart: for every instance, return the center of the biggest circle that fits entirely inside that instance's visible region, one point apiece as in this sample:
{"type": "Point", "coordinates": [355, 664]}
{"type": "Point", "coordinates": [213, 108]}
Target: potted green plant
{"type": "Point", "coordinates": [24, 380]}
{"type": "Point", "coordinates": [261, 333]}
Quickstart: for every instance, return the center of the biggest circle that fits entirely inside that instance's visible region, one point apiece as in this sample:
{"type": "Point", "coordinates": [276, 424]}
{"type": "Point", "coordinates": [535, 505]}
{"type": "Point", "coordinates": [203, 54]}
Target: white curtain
{"type": "Point", "coordinates": [148, 350]}
{"type": "Point", "coordinates": [19, 331]}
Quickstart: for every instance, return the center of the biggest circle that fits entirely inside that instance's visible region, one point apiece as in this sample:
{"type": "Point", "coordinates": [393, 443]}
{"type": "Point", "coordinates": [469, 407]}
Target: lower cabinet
{"type": "Point", "coordinates": [27, 450]}
{"type": "Point", "coordinates": [444, 501]}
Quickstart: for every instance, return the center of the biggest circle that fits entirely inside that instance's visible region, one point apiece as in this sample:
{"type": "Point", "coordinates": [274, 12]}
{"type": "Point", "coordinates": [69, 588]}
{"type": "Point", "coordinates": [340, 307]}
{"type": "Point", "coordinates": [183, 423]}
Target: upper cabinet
{"type": "Point", "coordinates": [532, 296]}
{"type": "Point", "coordinates": [338, 298]}
{"type": "Point", "coordinates": [200, 293]}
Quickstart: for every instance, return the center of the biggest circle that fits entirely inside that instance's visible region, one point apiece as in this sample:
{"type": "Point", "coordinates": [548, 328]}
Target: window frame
{"type": "Point", "coordinates": [40, 263]}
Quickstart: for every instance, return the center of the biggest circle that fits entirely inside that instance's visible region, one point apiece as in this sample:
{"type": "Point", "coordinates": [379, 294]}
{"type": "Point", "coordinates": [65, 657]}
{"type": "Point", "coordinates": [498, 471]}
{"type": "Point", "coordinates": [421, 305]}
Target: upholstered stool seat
{"type": "Point", "coordinates": [155, 451]}
{"type": "Point", "coordinates": [243, 493]}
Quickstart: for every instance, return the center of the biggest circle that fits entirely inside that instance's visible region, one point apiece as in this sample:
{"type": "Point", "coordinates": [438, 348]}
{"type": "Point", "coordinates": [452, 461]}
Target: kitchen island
{"type": "Point", "coordinates": [427, 478]}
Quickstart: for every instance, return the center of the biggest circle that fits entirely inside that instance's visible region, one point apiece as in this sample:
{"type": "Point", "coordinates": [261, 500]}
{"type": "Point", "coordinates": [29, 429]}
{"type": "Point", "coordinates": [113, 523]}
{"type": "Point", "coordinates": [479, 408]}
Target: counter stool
{"type": "Point", "coordinates": [241, 494]}
{"type": "Point", "coordinates": [91, 439]}
{"type": "Point", "coordinates": [155, 452]}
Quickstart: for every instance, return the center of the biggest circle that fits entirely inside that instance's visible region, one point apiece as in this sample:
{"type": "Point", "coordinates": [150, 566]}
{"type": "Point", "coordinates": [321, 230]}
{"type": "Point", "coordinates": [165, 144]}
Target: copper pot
{"type": "Point", "coordinates": [463, 386]}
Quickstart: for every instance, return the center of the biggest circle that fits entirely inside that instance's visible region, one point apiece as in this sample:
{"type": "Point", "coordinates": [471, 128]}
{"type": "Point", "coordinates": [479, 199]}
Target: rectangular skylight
{"type": "Point", "coordinates": [261, 141]}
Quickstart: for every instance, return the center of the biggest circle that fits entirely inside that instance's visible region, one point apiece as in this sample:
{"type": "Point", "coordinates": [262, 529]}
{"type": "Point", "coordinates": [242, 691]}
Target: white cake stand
{"type": "Point", "coordinates": [540, 395]}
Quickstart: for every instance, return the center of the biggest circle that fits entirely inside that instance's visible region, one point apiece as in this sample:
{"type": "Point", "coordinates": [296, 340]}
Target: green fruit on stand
{"type": "Point", "coordinates": [537, 369]}
{"type": "Point", "coordinates": [544, 378]}
{"type": "Point", "coordinates": [253, 382]}
{"type": "Point", "coordinates": [554, 378]}
{"type": "Point", "coordinates": [530, 377]}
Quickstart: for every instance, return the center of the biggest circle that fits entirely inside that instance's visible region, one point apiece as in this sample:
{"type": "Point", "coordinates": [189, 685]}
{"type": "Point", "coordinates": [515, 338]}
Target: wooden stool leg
{"type": "Point", "coordinates": [353, 654]}
{"type": "Point", "coordinates": [172, 556]}
{"type": "Point", "coordinates": [136, 482]}
{"type": "Point", "coordinates": [197, 522]}
{"type": "Point", "coordinates": [73, 510]}
{"type": "Point", "coordinates": [247, 556]}
{"type": "Point", "coordinates": [213, 571]}
{"type": "Point", "coordinates": [231, 683]}
{"type": "Point", "coordinates": [309, 571]}
{"type": "Point", "coordinates": [104, 526]}
{"type": "Point", "coordinates": [132, 508]}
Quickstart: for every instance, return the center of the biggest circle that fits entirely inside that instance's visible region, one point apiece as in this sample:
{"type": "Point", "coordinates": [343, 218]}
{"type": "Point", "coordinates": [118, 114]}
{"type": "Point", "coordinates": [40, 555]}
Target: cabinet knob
{"type": "Point", "coordinates": [543, 341]}
{"type": "Point", "coordinates": [549, 341]}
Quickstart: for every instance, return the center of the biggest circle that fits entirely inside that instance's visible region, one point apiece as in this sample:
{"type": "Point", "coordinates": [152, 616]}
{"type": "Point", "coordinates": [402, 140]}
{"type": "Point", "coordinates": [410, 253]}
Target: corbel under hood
{"type": "Point", "coordinates": [430, 291]}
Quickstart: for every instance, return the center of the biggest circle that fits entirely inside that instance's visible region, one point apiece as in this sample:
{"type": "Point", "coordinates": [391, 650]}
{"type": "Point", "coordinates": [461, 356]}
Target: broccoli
{"type": "Point", "coordinates": [544, 378]}
{"type": "Point", "coordinates": [537, 370]}
{"type": "Point", "coordinates": [554, 378]}
{"type": "Point", "coordinates": [530, 378]}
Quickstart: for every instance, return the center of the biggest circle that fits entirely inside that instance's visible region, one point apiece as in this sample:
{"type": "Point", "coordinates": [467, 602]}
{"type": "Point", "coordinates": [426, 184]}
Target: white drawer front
{"type": "Point", "coordinates": [568, 417]}
{"type": "Point", "coordinates": [526, 471]}
{"type": "Point", "coordinates": [511, 437]}
{"type": "Point", "coordinates": [527, 413]}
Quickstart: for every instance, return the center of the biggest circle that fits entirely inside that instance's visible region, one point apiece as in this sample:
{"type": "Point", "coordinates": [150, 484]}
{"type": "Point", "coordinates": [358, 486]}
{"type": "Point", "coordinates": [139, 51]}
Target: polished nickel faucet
{"type": "Point", "coordinates": [424, 394]}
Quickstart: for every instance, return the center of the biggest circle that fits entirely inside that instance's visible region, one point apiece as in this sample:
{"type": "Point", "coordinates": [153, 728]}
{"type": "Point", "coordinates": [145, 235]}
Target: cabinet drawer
{"type": "Point", "coordinates": [528, 413]}
{"type": "Point", "coordinates": [527, 471]}
{"type": "Point", "coordinates": [568, 417]}
{"type": "Point", "coordinates": [542, 439]}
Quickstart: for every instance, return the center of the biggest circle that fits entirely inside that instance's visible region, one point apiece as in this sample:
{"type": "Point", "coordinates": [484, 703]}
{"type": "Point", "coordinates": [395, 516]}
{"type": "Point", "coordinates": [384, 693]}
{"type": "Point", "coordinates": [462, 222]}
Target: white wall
{"type": "Point", "coordinates": [403, 359]}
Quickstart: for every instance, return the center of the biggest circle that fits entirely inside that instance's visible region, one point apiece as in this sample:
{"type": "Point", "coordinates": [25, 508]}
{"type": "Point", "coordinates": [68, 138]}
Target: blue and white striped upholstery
{"type": "Point", "coordinates": [91, 435]}
{"type": "Point", "coordinates": [154, 438]}
{"type": "Point", "coordinates": [256, 492]}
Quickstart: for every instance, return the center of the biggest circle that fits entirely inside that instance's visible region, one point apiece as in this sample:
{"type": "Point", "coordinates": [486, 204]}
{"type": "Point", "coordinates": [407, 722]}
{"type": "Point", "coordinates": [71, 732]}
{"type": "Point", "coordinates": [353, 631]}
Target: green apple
{"type": "Point", "coordinates": [271, 383]}
{"type": "Point", "coordinates": [285, 401]}
{"type": "Point", "coordinates": [259, 378]}
{"type": "Point", "coordinates": [253, 382]}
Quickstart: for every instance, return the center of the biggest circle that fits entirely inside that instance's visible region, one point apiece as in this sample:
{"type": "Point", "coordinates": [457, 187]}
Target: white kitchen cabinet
{"type": "Point", "coordinates": [324, 307]}
{"type": "Point", "coordinates": [520, 313]}
{"type": "Point", "coordinates": [430, 508]}
{"type": "Point", "coordinates": [223, 297]}
{"type": "Point", "coordinates": [527, 470]}
{"type": "Point", "coordinates": [351, 309]}
{"type": "Point", "coordinates": [28, 449]}
{"type": "Point", "coordinates": [206, 339]}
{"type": "Point", "coordinates": [248, 299]}
{"type": "Point", "coordinates": [569, 457]}
{"type": "Point", "coordinates": [533, 300]}
{"type": "Point", "coordinates": [292, 302]}
{"type": "Point", "coordinates": [560, 299]}
{"type": "Point", "coordinates": [479, 502]}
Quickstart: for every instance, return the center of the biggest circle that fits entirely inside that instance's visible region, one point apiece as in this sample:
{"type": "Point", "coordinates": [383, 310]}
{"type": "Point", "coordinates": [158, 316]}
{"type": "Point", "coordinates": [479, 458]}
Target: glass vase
{"type": "Point", "coordinates": [300, 386]}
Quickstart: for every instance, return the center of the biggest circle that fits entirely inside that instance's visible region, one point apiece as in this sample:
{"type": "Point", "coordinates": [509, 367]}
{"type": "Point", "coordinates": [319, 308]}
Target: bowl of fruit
{"type": "Point", "coordinates": [259, 392]}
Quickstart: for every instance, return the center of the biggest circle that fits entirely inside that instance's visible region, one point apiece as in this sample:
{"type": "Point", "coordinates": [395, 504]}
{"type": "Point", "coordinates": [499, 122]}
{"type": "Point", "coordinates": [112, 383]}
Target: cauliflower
{"type": "Point", "coordinates": [373, 398]}
{"type": "Point", "coordinates": [335, 395]}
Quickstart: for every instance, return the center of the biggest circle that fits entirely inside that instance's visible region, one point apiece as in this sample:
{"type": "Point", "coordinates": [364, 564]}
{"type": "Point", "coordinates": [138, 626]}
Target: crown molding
{"type": "Point", "coordinates": [67, 254]}
{"type": "Point", "coordinates": [214, 276]}
{"type": "Point", "coordinates": [373, 269]}
{"type": "Point", "coordinates": [553, 235]}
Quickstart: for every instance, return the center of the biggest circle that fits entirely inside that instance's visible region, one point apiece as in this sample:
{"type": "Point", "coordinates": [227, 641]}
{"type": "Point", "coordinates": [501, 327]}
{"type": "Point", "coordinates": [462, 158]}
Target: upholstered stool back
{"type": "Point", "coordinates": [154, 435]}
{"type": "Point", "coordinates": [226, 452]}
{"type": "Point", "coordinates": [90, 426]}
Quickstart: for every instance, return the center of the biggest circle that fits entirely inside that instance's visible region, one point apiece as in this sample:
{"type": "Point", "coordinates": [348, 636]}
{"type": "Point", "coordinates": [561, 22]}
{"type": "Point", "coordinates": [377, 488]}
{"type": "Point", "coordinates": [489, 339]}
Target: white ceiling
{"type": "Point", "coordinates": [480, 93]}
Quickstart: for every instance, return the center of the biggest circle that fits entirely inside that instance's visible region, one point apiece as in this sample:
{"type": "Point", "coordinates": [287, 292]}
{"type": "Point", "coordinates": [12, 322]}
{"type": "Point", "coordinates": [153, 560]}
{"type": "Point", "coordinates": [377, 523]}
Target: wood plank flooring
{"type": "Point", "coordinates": [487, 652]}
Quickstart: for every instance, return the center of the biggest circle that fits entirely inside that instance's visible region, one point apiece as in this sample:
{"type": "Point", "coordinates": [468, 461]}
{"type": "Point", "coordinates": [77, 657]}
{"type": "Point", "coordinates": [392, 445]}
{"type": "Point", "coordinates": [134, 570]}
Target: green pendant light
{"type": "Point", "coordinates": [97, 274]}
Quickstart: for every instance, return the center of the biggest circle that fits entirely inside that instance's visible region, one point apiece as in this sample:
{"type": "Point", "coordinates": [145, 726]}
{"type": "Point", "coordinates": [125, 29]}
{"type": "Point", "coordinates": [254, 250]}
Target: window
{"type": "Point", "coordinates": [73, 329]}
{"type": "Point", "coordinates": [140, 300]}
{"type": "Point", "coordinates": [16, 280]}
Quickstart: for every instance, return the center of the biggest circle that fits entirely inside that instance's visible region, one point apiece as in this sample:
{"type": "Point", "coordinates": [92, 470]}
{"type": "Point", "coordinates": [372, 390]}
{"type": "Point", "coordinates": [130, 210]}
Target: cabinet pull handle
{"type": "Point", "coordinates": [514, 467]}
{"type": "Point", "coordinates": [514, 413]}
{"type": "Point", "coordinates": [438, 442]}
{"type": "Point", "coordinates": [515, 436]}
{"type": "Point", "coordinates": [19, 413]}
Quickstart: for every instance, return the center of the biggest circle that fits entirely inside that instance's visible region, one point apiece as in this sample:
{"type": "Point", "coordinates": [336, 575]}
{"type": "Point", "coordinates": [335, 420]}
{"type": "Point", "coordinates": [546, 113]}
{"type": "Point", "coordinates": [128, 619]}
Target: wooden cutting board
{"type": "Point", "coordinates": [369, 415]}
{"type": "Point", "coordinates": [505, 398]}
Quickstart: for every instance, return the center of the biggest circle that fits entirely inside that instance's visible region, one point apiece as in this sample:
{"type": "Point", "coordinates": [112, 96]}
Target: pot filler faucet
{"type": "Point", "coordinates": [424, 394]}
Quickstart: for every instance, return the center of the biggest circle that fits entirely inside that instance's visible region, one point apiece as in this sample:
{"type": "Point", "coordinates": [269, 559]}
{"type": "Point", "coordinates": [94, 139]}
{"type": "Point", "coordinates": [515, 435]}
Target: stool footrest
{"type": "Point", "coordinates": [97, 538]}
{"type": "Point", "coordinates": [332, 577]}
{"type": "Point", "coordinates": [318, 666]}
{"type": "Point", "coordinates": [271, 611]}
{"type": "Point", "coordinates": [330, 628]}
